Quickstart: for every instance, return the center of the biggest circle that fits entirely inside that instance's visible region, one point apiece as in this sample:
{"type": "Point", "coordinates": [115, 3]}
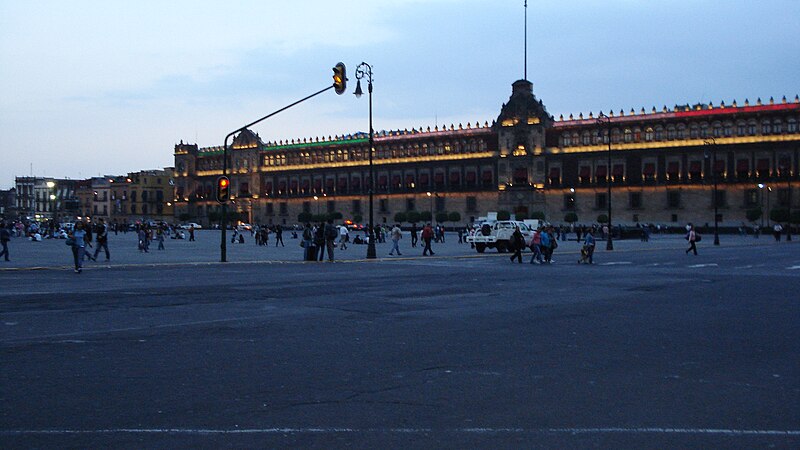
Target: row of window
{"type": "Point", "coordinates": [680, 131]}
{"type": "Point", "coordinates": [743, 169]}
{"type": "Point", "coordinates": [381, 152]}
{"type": "Point", "coordinates": [356, 206]}
{"type": "Point", "coordinates": [751, 198]}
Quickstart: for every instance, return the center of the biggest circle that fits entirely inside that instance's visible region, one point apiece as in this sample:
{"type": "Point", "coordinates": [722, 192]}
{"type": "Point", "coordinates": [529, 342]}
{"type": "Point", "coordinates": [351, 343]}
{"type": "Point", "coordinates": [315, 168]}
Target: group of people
{"type": "Point", "coordinates": [319, 238]}
{"type": "Point", "coordinates": [81, 236]}
{"type": "Point", "coordinates": [543, 243]}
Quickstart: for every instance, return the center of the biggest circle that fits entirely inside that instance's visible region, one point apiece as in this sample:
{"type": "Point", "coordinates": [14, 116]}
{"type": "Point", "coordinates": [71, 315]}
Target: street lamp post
{"type": "Point", "coordinates": [713, 143]}
{"type": "Point", "coordinates": [769, 191]}
{"type": "Point", "coordinates": [364, 70]}
{"type": "Point", "coordinates": [761, 188]}
{"type": "Point", "coordinates": [789, 205]}
{"type": "Point", "coordinates": [51, 185]}
{"type": "Point", "coordinates": [602, 118]}
{"type": "Point", "coordinates": [430, 196]}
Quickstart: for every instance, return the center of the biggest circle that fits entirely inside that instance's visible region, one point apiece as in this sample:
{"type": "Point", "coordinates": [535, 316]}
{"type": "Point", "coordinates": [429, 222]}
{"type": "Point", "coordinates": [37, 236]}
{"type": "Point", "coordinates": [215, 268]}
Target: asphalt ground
{"type": "Point", "coordinates": [648, 348]}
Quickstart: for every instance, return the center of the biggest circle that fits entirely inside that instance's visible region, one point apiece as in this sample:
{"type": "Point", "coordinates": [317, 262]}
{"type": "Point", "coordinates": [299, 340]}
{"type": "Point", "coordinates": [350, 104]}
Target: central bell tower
{"type": "Point", "coordinates": [521, 128]}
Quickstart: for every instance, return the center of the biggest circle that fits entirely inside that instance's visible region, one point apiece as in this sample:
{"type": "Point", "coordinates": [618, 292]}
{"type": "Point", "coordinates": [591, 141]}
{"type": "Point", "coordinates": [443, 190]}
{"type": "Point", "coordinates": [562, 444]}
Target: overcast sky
{"type": "Point", "coordinates": [108, 87]}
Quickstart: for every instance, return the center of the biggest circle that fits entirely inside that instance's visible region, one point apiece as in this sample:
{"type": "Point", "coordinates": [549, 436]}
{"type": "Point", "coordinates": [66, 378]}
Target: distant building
{"type": "Point", "coordinates": [142, 196]}
{"type": "Point", "coordinates": [45, 197]}
{"type": "Point", "coordinates": [662, 168]}
{"type": "Point", "coordinates": [8, 203]}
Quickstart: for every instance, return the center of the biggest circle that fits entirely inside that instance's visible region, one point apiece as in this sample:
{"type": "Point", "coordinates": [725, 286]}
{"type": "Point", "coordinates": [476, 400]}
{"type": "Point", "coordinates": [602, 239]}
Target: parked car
{"type": "Point", "coordinates": [196, 226]}
{"type": "Point", "coordinates": [497, 234]}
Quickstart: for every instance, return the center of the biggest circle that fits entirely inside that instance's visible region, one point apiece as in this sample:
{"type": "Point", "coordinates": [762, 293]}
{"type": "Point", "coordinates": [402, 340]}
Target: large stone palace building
{"type": "Point", "coordinates": [663, 164]}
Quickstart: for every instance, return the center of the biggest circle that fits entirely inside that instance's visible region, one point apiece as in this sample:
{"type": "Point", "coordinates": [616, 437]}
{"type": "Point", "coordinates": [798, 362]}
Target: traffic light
{"type": "Point", "coordinates": [223, 189]}
{"type": "Point", "coordinates": [339, 78]}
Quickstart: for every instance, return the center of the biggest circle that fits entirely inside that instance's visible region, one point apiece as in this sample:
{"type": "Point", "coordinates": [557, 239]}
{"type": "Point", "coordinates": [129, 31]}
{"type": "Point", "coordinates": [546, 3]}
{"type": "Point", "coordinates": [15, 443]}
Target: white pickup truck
{"type": "Point", "coordinates": [497, 234]}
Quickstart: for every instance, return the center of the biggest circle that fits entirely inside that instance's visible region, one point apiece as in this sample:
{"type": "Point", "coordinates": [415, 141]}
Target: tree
{"type": "Point", "coordinates": [522, 215]}
{"type": "Point", "coordinates": [441, 217]}
{"type": "Point", "coordinates": [503, 215]}
{"type": "Point", "coordinates": [602, 218]}
{"type": "Point", "coordinates": [425, 216]}
{"type": "Point", "coordinates": [400, 217]}
{"type": "Point", "coordinates": [213, 216]}
{"type": "Point", "coordinates": [357, 218]}
{"type": "Point", "coordinates": [454, 217]}
{"type": "Point", "coordinates": [753, 214]}
{"type": "Point", "coordinates": [336, 215]}
{"type": "Point", "coordinates": [570, 217]}
{"type": "Point", "coordinates": [779, 215]}
{"type": "Point", "coordinates": [304, 217]}
{"type": "Point", "coordinates": [185, 217]}
{"type": "Point", "coordinates": [539, 215]}
{"type": "Point", "coordinates": [413, 216]}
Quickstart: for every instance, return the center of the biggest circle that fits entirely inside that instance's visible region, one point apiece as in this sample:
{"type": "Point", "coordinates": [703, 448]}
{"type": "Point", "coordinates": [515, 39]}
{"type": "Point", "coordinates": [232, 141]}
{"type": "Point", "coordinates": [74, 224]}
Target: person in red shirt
{"type": "Point", "coordinates": [427, 235]}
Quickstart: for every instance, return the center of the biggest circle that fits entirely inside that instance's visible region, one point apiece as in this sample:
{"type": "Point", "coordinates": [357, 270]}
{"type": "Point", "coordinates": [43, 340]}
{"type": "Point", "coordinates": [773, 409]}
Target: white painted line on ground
{"type": "Point", "coordinates": [697, 266]}
{"type": "Point", "coordinates": [335, 430]}
{"type": "Point", "coordinates": [616, 263]}
{"type": "Point", "coordinates": [793, 268]}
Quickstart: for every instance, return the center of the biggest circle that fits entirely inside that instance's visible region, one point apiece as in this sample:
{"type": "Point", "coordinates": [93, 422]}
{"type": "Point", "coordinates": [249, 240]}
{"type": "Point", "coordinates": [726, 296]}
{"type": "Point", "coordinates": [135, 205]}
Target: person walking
{"type": "Point", "coordinates": [427, 236]}
{"type": "Point", "coordinates": [191, 233]}
{"type": "Point", "coordinates": [319, 240]}
{"type": "Point", "coordinates": [343, 237]}
{"type": "Point", "coordinates": [160, 238]}
{"type": "Point", "coordinates": [79, 240]}
{"type": "Point", "coordinates": [396, 235]}
{"type": "Point", "coordinates": [545, 245]}
{"type": "Point", "coordinates": [5, 236]}
{"type": "Point", "coordinates": [536, 246]}
{"type": "Point", "coordinates": [518, 243]}
{"type": "Point", "coordinates": [308, 242]}
{"type": "Point", "coordinates": [776, 231]}
{"type": "Point", "coordinates": [101, 236]}
{"type": "Point", "coordinates": [414, 235]}
{"type": "Point", "coordinates": [692, 237]}
{"type": "Point", "coordinates": [588, 247]}
{"type": "Point", "coordinates": [279, 236]}
{"type": "Point", "coordinates": [331, 233]}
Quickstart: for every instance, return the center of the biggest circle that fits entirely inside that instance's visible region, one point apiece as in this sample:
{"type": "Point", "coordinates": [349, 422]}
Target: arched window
{"type": "Point", "coordinates": [566, 140]}
{"type": "Point", "coordinates": [628, 135]}
{"type": "Point", "coordinates": [681, 131]}
{"type": "Point", "coordinates": [648, 134]}
{"type": "Point", "coordinates": [717, 129]}
{"type": "Point", "coordinates": [766, 127]}
{"type": "Point", "coordinates": [671, 133]}
{"type": "Point", "coordinates": [791, 125]}
{"type": "Point", "coordinates": [728, 129]}
{"type": "Point", "coordinates": [777, 126]}
{"type": "Point", "coordinates": [741, 128]}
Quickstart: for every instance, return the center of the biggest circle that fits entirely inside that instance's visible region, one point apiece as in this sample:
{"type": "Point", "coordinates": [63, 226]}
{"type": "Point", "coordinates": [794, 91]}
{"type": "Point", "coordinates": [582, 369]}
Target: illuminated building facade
{"type": "Point", "coordinates": [526, 162]}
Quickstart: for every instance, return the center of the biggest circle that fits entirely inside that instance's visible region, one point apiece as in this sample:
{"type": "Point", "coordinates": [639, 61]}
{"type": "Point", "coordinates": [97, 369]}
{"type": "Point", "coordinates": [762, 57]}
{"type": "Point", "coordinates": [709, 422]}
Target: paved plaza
{"type": "Point", "coordinates": [54, 254]}
{"type": "Point", "coordinates": [648, 348]}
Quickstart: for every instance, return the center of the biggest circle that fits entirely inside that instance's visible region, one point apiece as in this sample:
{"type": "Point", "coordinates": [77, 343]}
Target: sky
{"type": "Point", "coordinates": [91, 88]}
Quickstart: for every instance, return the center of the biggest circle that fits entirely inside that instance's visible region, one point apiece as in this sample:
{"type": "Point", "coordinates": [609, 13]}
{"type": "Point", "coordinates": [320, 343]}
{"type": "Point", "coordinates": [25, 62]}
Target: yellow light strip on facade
{"type": "Point", "coordinates": [377, 162]}
{"type": "Point", "coordinates": [674, 143]}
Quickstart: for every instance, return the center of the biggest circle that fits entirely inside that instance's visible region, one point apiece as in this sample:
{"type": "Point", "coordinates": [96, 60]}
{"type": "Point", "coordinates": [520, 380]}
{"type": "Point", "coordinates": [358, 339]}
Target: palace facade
{"type": "Point", "coordinates": [663, 164]}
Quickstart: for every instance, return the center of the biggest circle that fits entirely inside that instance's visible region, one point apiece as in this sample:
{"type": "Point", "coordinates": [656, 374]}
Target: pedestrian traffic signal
{"type": "Point", "coordinates": [339, 78]}
{"type": "Point", "coordinates": [223, 189]}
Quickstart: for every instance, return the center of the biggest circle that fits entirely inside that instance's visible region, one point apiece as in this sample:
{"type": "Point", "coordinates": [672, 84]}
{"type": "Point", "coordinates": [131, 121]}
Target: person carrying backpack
{"type": "Point", "coordinates": [331, 233]}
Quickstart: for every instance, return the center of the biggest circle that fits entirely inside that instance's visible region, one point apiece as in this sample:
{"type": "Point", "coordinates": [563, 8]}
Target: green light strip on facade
{"type": "Point", "coordinates": [294, 146]}
{"type": "Point", "coordinates": [315, 144]}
